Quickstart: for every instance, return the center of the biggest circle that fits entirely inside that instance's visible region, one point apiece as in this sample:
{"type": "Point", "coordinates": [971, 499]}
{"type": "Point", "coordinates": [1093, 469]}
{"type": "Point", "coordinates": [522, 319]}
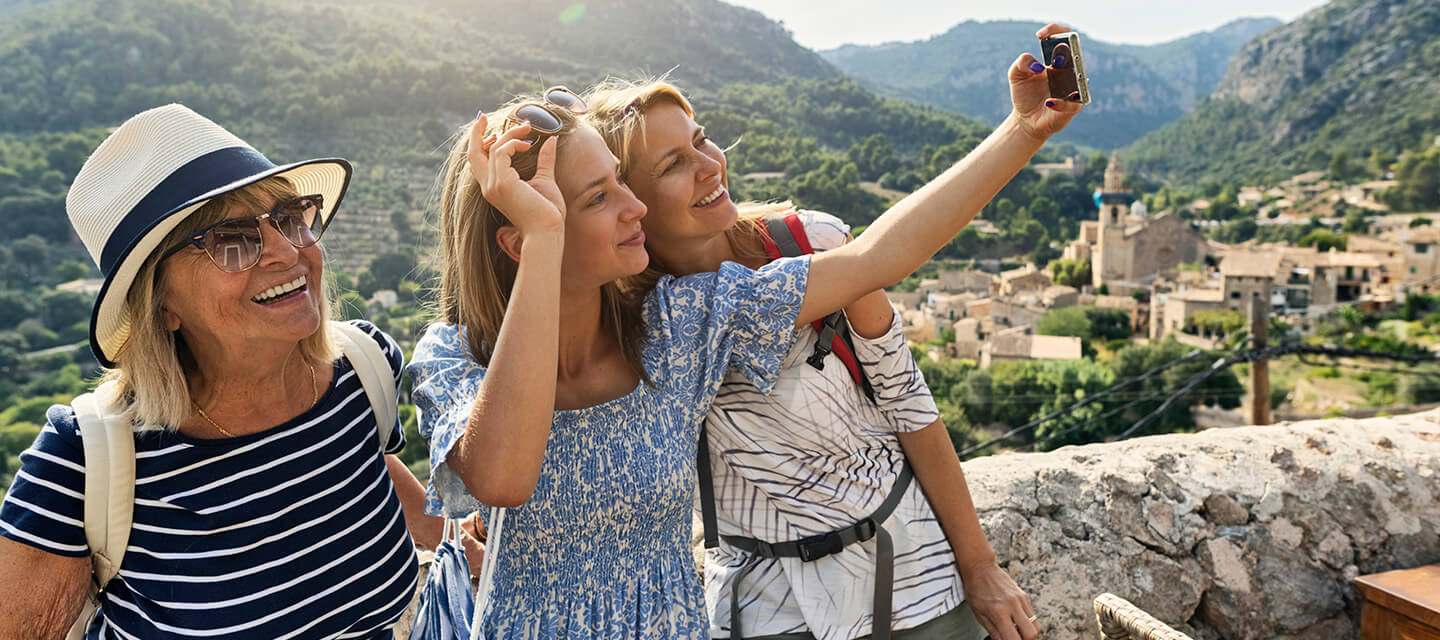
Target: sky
{"type": "Point", "coordinates": [825, 24]}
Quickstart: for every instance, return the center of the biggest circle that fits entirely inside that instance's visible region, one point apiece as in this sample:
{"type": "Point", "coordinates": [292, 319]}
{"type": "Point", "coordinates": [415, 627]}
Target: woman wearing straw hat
{"type": "Point", "coordinates": [263, 507]}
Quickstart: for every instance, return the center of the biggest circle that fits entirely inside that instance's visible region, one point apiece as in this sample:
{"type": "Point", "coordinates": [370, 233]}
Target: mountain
{"type": "Point", "coordinates": [1353, 74]}
{"type": "Point", "coordinates": [1136, 88]}
{"type": "Point", "coordinates": [386, 82]}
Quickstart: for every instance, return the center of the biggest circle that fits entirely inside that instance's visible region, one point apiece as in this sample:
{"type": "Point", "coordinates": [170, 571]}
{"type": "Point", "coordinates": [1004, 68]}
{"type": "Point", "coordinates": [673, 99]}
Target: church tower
{"type": "Point", "coordinates": [1113, 255]}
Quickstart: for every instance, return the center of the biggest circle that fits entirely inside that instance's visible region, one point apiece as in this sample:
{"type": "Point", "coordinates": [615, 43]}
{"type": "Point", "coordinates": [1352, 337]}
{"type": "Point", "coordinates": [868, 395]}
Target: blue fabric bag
{"type": "Point", "coordinates": [446, 602]}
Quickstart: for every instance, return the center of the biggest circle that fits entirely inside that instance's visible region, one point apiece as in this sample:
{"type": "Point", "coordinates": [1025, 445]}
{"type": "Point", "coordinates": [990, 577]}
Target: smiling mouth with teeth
{"type": "Point", "coordinates": [281, 292]}
{"type": "Point", "coordinates": [714, 195]}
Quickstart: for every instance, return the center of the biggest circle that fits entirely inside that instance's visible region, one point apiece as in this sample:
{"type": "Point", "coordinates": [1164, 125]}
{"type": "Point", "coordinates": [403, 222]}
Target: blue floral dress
{"type": "Point", "coordinates": [601, 550]}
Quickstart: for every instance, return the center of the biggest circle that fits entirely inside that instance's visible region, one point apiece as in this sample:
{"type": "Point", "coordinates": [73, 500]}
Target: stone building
{"type": "Point", "coordinates": [1248, 276]}
{"type": "Point", "coordinates": [1026, 278]}
{"type": "Point", "coordinates": [1020, 344]}
{"type": "Point", "coordinates": [1131, 250]}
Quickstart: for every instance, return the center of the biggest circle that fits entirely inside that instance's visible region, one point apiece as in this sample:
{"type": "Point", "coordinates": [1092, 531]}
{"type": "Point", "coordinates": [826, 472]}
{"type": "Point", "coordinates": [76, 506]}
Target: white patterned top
{"type": "Point", "coordinates": [813, 456]}
{"type": "Point", "coordinates": [601, 549]}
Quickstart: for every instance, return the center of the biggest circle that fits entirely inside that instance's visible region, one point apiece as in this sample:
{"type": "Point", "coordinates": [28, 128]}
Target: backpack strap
{"type": "Point", "coordinates": [373, 369]}
{"type": "Point", "coordinates": [109, 443]}
{"type": "Point", "coordinates": [786, 238]}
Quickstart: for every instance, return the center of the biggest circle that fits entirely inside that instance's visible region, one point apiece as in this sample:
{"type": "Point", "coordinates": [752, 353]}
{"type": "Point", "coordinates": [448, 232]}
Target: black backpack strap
{"type": "Point", "coordinates": [816, 547]}
{"type": "Point", "coordinates": [849, 341]}
{"type": "Point", "coordinates": [784, 240]}
{"type": "Point", "coordinates": [707, 491]}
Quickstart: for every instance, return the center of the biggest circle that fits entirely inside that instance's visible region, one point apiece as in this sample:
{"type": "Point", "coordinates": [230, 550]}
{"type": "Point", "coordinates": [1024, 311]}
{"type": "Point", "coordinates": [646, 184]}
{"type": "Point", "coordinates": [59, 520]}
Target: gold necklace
{"type": "Point", "coordinates": [314, 398]}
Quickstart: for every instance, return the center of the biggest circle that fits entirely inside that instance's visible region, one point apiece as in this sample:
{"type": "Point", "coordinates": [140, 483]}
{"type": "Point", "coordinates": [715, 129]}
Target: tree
{"type": "Point", "coordinates": [1222, 389]}
{"type": "Point", "coordinates": [1323, 240]}
{"type": "Point", "coordinates": [1236, 231]}
{"type": "Point", "coordinates": [1420, 221]}
{"type": "Point", "coordinates": [1340, 167]}
{"type": "Point", "coordinates": [1355, 221]}
{"type": "Point", "coordinates": [1070, 273]}
{"type": "Point", "coordinates": [64, 309]}
{"type": "Point", "coordinates": [391, 267]}
{"type": "Point", "coordinates": [873, 156]}
{"type": "Point", "coordinates": [15, 307]}
{"type": "Point", "coordinates": [69, 270]}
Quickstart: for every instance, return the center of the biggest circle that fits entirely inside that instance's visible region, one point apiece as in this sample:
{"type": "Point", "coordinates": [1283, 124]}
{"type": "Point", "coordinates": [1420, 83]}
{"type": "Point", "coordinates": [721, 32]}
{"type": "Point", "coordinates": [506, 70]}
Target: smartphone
{"type": "Point", "coordinates": [1068, 78]}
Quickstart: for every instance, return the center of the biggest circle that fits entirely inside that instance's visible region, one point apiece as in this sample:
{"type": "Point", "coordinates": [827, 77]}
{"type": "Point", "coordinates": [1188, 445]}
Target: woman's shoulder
{"type": "Point", "coordinates": [824, 230]}
{"type": "Point", "coordinates": [61, 419]}
{"type": "Point", "coordinates": [388, 345]}
{"type": "Point", "coordinates": [443, 346]}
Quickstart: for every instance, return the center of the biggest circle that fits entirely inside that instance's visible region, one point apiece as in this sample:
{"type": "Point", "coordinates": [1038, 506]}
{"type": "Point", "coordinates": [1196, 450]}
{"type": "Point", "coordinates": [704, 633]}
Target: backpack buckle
{"type": "Point", "coordinates": [817, 547]}
{"type": "Point", "coordinates": [817, 359]}
{"type": "Point", "coordinates": [865, 529]}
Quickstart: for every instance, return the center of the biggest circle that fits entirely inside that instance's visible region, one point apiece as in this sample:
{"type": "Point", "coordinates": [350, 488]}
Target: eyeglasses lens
{"type": "Point", "coordinates": [538, 118]}
{"type": "Point", "coordinates": [235, 245]}
{"type": "Point", "coordinates": [566, 100]}
{"type": "Point", "coordinates": [299, 220]}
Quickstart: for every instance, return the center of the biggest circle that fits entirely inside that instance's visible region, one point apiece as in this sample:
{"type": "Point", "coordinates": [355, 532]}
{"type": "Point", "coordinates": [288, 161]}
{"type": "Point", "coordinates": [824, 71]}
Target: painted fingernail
{"type": "Point", "coordinates": [479, 114]}
{"type": "Point", "coordinates": [1037, 67]}
{"type": "Point", "coordinates": [1074, 96]}
{"type": "Point", "coordinates": [1050, 103]}
{"type": "Point", "coordinates": [1058, 62]}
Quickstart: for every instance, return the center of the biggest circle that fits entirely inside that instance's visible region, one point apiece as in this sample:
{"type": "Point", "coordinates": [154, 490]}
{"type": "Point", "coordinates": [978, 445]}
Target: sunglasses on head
{"type": "Point", "coordinates": [542, 117]}
{"type": "Point", "coordinates": [235, 244]}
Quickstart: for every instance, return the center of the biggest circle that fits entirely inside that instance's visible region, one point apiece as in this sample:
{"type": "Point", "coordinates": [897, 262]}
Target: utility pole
{"type": "Point", "coordinates": [1259, 369]}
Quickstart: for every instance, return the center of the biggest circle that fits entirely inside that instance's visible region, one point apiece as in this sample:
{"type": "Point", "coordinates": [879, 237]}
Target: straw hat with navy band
{"type": "Point", "coordinates": [148, 176]}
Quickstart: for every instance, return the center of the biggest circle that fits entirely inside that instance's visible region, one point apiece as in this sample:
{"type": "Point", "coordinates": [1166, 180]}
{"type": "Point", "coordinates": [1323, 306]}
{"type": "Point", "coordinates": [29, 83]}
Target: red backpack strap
{"type": "Point", "coordinates": [786, 237]}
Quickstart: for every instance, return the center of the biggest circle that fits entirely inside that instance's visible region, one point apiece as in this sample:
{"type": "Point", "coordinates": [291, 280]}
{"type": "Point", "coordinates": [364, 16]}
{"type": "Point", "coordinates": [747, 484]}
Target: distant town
{"type": "Point", "coordinates": [1163, 273]}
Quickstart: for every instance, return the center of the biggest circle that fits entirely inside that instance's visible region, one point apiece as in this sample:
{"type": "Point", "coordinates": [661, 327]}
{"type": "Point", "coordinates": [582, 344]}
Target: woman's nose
{"type": "Point", "coordinates": [634, 208]}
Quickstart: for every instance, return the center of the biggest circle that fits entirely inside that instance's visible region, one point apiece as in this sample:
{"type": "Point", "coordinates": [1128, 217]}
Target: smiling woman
{"type": "Point", "coordinates": [263, 504]}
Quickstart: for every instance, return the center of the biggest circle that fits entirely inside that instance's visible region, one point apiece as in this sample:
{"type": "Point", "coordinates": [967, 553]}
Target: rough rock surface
{"type": "Point", "coordinates": [1251, 532]}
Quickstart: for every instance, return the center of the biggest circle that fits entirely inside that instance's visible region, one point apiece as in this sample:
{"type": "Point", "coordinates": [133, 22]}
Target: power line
{"type": "Point", "coordinates": [1186, 388]}
{"type": "Point", "coordinates": [1095, 397]}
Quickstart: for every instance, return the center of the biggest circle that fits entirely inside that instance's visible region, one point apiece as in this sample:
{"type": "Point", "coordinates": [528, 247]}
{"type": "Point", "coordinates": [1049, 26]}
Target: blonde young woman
{"type": "Point", "coordinates": [551, 388]}
{"type": "Point", "coordinates": [813, 460]}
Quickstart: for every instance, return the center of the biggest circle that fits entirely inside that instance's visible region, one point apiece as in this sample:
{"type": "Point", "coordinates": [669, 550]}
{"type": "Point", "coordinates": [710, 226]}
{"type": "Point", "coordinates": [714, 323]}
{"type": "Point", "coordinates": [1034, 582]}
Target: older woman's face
{"type": "Point", "coordinates": [215, 309]}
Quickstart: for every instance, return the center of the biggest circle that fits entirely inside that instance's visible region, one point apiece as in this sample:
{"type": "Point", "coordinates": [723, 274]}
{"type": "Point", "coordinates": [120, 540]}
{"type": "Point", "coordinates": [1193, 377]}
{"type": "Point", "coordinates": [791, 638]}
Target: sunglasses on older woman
{"type": "Point", "coordinates": [541, 117]}
{"type": "Point", "coordinates": [235, 245]}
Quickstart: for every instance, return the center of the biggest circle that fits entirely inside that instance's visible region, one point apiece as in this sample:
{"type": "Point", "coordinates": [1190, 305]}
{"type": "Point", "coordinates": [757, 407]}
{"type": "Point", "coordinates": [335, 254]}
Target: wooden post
{"type": "Point", "coordinates": [1259, 369]}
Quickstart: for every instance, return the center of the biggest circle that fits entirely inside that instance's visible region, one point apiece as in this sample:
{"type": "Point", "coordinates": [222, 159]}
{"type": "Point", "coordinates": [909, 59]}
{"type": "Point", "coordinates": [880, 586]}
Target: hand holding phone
{"type": "Point", "coordinates": [1066, 67]}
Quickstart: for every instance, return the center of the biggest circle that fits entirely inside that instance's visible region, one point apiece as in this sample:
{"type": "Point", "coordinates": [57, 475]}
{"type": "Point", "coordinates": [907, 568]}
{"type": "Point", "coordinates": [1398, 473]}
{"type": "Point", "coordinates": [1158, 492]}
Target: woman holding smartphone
{"type": "Point", "coordinates": [553, 386]}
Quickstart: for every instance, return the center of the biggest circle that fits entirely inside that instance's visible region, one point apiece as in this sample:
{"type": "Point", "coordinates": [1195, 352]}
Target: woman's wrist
{"type": "Point", "coordinates": [1017, 126]}
{"type": "Point", "coordinates": [543, 241]}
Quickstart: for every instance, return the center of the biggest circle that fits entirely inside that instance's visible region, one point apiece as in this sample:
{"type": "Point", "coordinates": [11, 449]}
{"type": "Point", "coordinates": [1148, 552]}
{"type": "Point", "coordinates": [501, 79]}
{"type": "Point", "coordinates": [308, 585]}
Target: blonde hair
{"type": "Point", "coordinates": [476, 275]}
{"type": "Point", "coordinates": [618, 110]}
{"type": "Point", "coordinates": [152, 367]}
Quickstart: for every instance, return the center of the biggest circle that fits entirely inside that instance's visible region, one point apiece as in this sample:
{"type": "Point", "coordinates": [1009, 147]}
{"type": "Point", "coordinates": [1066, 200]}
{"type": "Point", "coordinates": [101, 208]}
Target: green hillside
{"type": "Point", "coordinates": [1136, 88]}
{"type": "Point", "coordinates": [1353, 74]}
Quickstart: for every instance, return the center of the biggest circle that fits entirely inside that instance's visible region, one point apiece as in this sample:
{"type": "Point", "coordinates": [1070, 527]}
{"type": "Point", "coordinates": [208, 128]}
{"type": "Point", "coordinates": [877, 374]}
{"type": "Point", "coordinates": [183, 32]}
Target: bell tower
{"type": "Point", "coordinates": [1113, 255]}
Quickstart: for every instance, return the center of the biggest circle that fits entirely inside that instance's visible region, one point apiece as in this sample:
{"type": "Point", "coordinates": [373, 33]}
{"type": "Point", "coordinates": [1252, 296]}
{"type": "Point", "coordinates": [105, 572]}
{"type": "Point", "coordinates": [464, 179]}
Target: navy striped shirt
{"type": "Point", "coordinates": [292, 532]}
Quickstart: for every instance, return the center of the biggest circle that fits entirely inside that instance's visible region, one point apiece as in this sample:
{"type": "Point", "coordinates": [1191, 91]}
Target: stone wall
{"type": "Point", "coordinates": [1251, 532]}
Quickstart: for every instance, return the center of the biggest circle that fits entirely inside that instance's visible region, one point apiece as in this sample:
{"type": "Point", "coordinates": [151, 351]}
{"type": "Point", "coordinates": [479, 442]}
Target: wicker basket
{"type": "Point", "coordinates": [1120, 620]}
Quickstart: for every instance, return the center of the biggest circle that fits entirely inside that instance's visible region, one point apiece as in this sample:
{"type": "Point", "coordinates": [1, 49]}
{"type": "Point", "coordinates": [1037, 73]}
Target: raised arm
{"type": "Point", "coordinates": [912, 231]}
{"type": "Point", "coordinates": [499, 456]}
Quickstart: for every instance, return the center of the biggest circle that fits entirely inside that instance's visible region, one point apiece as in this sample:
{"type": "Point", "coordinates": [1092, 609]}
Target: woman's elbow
{"type": "Point", "coordinates": [500, 489]}
{"type": "Point", "coordinates": [506, 497]}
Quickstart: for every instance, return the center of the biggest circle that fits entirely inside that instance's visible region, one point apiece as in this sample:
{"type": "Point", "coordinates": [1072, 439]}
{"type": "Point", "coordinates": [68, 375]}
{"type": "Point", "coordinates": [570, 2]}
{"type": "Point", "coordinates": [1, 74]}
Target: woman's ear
{"type": "Point", "coordinates": [172, 321]}
{"type": "Point", "coordinates": [510, 241]}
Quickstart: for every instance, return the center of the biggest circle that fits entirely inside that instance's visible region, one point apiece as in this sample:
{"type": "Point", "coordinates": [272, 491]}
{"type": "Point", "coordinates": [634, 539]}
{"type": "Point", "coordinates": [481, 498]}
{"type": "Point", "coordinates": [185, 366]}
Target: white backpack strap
{"type": "Point", "coordinates": [109, 443]}
{"type": "Point", "coordinates": [373, 369]}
